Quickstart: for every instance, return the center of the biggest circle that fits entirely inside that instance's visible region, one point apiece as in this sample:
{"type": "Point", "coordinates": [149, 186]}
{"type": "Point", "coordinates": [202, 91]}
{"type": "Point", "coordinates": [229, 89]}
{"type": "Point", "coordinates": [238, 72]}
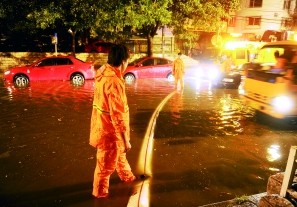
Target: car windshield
{"type": "Point", "coordinates": [266, 53]}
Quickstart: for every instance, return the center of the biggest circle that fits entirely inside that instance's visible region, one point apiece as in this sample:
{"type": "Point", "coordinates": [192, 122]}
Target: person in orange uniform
{"type": "Point", "coordinates": [227, 63]}
{"type": "Point", "coordinates": [178, 71]}
{"type": "Point", "coordinates": [110, 127]}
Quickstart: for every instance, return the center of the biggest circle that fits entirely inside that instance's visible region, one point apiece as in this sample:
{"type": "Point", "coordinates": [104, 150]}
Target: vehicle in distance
{"type": "Point", "coordinates": [211, 72]}
{"type": "Point", "coordinates": [99, 46]}
{"type": "Point", "coordinates": [149, 67]}
{"type": "Point", "coordinates": [51, 68]}
{"type": "Point", "coordinates": [210, 68]}
{"type": "Point", "coordinates": [231, 78]}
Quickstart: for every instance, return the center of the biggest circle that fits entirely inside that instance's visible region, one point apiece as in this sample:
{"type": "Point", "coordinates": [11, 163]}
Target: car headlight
{"type": "Point", "coordinates": [7, 72]}
{"type": "Point", "coordinates": [213, 73]}
{"type": "Point", "coordinates": [283, 104]}
{"type": "Point", "coordinates": [198, 73]}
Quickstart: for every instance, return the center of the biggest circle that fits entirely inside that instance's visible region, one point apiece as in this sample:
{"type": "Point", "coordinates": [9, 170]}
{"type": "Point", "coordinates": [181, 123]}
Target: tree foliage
{"type": "Point", "coordinates": [147, 16]}
{"type": "Point", "coordinates": [115, 20]}
{"type": "Point", "coordinates": [191, 17]}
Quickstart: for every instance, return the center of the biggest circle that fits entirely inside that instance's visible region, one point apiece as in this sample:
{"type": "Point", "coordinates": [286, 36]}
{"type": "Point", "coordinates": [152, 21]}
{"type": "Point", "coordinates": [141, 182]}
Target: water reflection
{"type": "Point", "coordinates": [202, 86]}
{"type": "Point", "coordinates": [273, 153]}
{"type": "Point", "coordinates": [176, 105]}
{"type": "Point", "coordinates": [212, 135]}
{"type": "Point", "coordinates": [44, 138]}
{"type": "Point", "coordinates": [230, 111]}
{"type": "Point", "coordinates": [207, 139]}
{"type": "Point", "coordinates": [49, 89]}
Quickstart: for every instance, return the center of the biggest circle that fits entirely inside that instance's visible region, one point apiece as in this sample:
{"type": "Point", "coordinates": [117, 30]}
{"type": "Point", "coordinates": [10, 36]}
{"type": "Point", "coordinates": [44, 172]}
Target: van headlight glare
{"type": "Point", "coordinates": [198, 73]}
{"type": "Point", "coordinates": [213, 74]}
{"type": "Point", "coordinates": [283, 104]}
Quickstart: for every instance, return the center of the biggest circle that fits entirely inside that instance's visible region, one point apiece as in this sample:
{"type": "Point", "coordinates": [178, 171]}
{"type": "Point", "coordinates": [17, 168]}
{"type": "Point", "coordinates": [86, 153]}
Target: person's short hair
{"type": "Point", "coordinates": [117, 54]}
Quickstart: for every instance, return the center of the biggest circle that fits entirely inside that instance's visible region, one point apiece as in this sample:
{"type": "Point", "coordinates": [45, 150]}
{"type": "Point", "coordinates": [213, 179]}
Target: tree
{"type": "Point", "coordinates": [147, 16]}
{"type": "Point", "coordinates": [111, 21]}
{"type": "Point", "coordinates": [117, 20]}
{"type": "Point", "coordinates": [12, 18]}
{"type": "Point", "coordinates": [71, 15]}
{"type": "Point", "coordinates": [190, 16]}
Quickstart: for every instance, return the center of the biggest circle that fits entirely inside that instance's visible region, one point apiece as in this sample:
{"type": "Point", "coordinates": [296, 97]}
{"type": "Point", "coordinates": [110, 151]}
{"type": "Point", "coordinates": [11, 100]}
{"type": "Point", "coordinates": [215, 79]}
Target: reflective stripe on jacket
{"type": "Point", "coordinates": [110, 114]}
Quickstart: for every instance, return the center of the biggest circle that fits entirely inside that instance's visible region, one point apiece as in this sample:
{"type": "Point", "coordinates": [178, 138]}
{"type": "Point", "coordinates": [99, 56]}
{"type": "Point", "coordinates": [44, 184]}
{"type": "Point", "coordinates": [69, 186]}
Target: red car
{"type": "Point", "coordinates": [51, 68]}
{"type": "Point", "coordinates": [149, 67]}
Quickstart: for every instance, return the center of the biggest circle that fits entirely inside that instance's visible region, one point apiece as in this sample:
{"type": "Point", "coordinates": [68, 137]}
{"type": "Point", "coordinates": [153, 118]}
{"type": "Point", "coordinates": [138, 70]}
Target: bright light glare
{"type": "Point", "coordinates": [145, 194]}
{"type": "Point", "coordinates": [7, 72]}
{"type": "Point", "coordinates": [140, 194]}
{"type": "Point", "coordinates": [241, 90]}
{"type": "Point", "coordinates": [213, 74]}
{"type": "Point", "coordinates": [231, 45]}
{"type": "Point", "coordinates": [283, 104]}
{"type": "Point", "coordinates": [273, 153]}
{"type": "Point", "coordinates": [199, 73]}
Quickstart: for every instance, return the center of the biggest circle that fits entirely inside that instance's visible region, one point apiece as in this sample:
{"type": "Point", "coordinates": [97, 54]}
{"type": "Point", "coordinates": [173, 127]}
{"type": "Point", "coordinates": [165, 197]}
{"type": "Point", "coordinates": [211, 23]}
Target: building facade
{"type": "Point", "coordinates": [255, 17]}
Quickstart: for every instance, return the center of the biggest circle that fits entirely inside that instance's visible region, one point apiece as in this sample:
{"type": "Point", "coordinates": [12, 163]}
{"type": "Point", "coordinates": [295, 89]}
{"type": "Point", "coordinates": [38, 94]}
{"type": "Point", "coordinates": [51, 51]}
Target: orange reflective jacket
{"type": "Point", "coordinates": [178, 68]}
{"type": "Point", "coordinates": [110, 114]}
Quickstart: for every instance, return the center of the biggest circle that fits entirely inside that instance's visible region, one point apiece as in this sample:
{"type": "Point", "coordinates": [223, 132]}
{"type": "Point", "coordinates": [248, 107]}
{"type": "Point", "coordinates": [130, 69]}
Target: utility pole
{"type": "Point", "coordinates": [55, 42]}
{"type": "Point", "coordinates": [294, 17]}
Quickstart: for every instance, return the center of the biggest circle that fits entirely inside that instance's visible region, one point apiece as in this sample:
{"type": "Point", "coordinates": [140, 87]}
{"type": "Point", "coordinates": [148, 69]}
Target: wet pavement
{"type": "Point", "coordinates": [207, 146]}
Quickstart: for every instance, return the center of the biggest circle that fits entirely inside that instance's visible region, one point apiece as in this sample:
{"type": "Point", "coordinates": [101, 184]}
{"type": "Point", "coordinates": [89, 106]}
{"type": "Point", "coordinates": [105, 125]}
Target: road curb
{"type": "Point", "coordinates": [140, 195]}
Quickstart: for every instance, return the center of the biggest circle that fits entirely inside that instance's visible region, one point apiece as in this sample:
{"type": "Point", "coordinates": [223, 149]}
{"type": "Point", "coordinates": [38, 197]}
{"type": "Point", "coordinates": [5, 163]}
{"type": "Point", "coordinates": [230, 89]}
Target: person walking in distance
{"type": "Point", "coordinates": [178, 72]}
{"type": "Point", "coordinates": [110, 127]}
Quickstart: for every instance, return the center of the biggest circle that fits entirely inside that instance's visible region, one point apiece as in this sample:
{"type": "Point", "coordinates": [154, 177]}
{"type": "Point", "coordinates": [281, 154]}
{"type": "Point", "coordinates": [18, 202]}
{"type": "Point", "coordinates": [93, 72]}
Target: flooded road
{"type": "Point", "coordinates": [208, 147]}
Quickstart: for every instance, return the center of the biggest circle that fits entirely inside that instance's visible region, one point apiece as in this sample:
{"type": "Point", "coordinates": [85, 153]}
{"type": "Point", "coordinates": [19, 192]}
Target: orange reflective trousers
{"type": "Point", "coordinates": [107, 162]}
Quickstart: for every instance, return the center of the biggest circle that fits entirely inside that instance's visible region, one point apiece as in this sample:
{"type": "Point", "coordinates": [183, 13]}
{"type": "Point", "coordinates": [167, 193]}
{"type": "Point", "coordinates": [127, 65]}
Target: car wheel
{"type": "Point", "coordinates": [21, 81]}
{"type": "Point", "coordinates": [77, 79]}
{"type": "Point", "coordinates": [170, 77]}
{"type": "Point", "coordinates": [129, 78]}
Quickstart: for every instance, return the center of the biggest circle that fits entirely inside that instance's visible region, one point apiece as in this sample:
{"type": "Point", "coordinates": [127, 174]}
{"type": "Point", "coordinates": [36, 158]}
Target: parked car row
{"type": "Point", "coordinates": [76, 71]}
{"type": "Point", "coordinates": [51, 68]}
{"type": "Point", "coordinates": [149, 67]}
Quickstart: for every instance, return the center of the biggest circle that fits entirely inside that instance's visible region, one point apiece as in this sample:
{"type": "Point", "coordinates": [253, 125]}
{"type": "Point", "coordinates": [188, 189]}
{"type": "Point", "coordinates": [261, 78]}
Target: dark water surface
{"type": "Point", "coordinates": [214, 148]}
{"type": "Point", "coordinates": [208, 147]}
{"type": "Point", "coordinates": [45, 158]}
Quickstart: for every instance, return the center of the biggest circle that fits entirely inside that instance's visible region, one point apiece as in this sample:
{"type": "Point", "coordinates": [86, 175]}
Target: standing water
{"type": "Point", "coordinates": [208, 147]}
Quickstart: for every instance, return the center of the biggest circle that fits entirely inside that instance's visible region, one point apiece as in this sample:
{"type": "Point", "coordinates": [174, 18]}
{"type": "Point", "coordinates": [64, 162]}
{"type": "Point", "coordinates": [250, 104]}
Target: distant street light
{"type": "Point", "coordinates": [73, 40]}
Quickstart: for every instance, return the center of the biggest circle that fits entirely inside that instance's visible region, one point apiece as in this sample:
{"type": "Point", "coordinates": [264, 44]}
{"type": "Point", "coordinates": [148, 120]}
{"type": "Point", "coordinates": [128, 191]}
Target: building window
{"type": "Point", "coordinates": [287, 4]}
{"type": "Point", "coordinates": [253, 21]}
{"type": "Point", "coordinates": [286, 23]}
{"type": "Point", "coordinates": [231, 22]}
{"type": "Point", "coordinates": [255, 3]}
